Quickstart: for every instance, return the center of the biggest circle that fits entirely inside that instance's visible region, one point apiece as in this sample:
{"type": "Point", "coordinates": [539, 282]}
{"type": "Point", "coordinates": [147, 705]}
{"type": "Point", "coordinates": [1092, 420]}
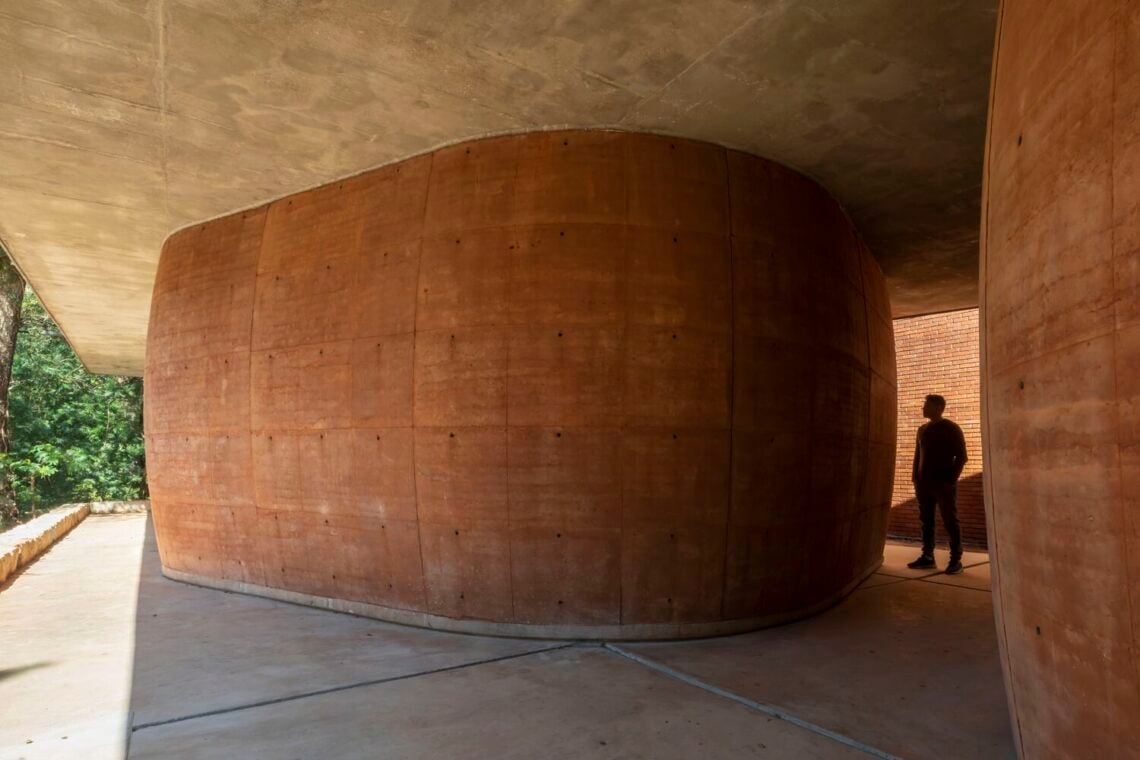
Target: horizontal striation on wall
{"type": "Point", "coordinates": [563, 378]}
{"type": "Point", "coordinates": [1061, 362]}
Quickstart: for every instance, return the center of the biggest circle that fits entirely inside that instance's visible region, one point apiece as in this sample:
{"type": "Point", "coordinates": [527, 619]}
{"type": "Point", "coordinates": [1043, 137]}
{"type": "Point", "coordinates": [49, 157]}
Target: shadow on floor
{"type": "Point", "coordinates": [904, 521]}
{"type": "Point", "coordinates": [904, 667]}
{"type": "Point", "coordinates": [7, 673]}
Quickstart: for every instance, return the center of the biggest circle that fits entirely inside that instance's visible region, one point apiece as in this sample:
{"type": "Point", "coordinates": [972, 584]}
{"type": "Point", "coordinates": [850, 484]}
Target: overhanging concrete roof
{"type": "Point", "coordinates": [123, 121]}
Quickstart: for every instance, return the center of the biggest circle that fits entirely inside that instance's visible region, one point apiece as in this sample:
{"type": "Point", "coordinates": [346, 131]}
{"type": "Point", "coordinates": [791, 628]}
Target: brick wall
{"type": "Point", "coordinates": [938, 353]}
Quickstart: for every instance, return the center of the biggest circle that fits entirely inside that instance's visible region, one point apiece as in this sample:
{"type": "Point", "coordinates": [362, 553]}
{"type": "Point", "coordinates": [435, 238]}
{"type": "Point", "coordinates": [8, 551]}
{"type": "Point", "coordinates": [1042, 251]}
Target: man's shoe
{"type": "Point", "coordinates": [922, 563]}
{"type": "Point", "coordinates": [954, 567]}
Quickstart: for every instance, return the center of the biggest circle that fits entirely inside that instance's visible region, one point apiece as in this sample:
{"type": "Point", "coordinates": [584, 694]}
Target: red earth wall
{"type": "Point", "coordinates": [636, 385]}
{"type": "Point", "coordinates": [938, 353]}
{"type": "Point", "coordinates": [1061, 362]}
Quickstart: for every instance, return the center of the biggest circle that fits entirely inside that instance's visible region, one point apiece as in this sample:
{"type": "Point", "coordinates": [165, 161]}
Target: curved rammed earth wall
{"type": "Point", "coordinates": [1061, 369]}
{"type": "Point", "coordinates": [563, 383]}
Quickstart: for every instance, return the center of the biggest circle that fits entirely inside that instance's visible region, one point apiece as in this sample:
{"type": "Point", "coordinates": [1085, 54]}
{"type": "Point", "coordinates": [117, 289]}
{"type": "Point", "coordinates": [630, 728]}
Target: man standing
{"type": "Point", "coordinates": [939, 456]}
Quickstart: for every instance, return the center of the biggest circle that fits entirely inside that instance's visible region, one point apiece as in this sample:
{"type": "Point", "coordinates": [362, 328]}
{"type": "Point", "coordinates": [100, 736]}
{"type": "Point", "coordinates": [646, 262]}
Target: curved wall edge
{"type": "Point", "coordinates": [1060, 289]}
{"type": "Point", "coordinates": [593, 379]}
{"type": "Point", "coordinates": [554, 128]}
{"type": "Point", "coordinates": [634, 632]}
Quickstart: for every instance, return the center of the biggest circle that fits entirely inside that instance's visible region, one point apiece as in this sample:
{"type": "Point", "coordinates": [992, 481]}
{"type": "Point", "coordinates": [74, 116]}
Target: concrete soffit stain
{"type": "Point", "coordinates": [126, 122]}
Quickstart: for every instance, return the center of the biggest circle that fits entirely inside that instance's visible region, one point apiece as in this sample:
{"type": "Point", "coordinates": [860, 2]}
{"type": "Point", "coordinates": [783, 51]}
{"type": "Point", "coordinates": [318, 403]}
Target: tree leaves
{"type": "Point", "coordinates": [75, 436]}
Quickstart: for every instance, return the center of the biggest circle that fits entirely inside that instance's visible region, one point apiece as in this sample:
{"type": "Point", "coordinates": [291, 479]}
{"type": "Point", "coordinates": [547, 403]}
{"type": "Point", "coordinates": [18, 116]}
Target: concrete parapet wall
{"type": "Point", "coordinates": [586, 379]}
{"type": "Point", "coordinates": [24, 543]}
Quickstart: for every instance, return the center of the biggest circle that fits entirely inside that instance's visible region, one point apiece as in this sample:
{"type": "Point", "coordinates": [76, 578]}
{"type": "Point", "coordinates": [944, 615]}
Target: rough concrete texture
{"type": "Point", "coordinates": [546, 379]}
{"type": "Point", "coordinates": [910, 668]}
{"type": "Point", "coordinates": [119, 507]}
{"type": "Point", "coordinates": [124, 121]}
{"type": "Point", "coordinates": [1061, 362]}
{"type": "Point", "coordinates": [23, 543]}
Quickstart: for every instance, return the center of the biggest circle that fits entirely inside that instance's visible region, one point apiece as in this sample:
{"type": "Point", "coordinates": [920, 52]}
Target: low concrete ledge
{"type": "Point", "coordinates": [23, 543]}
{"type": "Point", "coordinates": [120, 507]}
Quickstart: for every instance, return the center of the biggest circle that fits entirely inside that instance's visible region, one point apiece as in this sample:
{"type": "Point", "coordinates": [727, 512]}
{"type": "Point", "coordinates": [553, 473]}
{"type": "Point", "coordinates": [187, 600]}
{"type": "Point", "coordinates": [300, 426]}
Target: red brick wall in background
{"type": "Point", "coordinates": [938, 353]}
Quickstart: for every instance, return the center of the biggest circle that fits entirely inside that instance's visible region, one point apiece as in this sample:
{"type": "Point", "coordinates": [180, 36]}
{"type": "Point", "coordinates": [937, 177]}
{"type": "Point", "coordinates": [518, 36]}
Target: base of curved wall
{"type": "Point", "coordinates": [636, 632]}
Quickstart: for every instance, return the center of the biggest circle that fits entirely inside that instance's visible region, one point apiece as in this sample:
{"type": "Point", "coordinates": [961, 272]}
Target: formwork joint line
{"type": "Point", "coordinates": [761, 707]}
{"type": "Point", "coordinates": [346, 687]}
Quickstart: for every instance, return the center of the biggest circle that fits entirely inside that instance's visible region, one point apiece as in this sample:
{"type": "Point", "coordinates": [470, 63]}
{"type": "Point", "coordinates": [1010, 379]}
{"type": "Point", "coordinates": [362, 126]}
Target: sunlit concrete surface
{"type": "Point", "coordinates": [67, 625]}
{"type": "Point", "coordinates": [906, 666]}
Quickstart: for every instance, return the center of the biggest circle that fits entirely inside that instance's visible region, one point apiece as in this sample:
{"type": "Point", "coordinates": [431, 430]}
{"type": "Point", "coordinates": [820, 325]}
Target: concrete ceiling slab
{"type": "Point", "coordinates": [126, 119]}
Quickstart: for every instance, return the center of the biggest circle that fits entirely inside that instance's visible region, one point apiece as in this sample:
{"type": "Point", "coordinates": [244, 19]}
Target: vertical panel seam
{"type": "Point", "coordinates": [862, 250]}
{"type": "Point", "coordinates": [507, 408]}
{"type": "Point", "coordinates": [249, 373]}
{"type": "Point", "coordinates": [415, 336]}
{"type": "Point", "coordinates": [731, 381]}
{"type": "Point", "coordinates": [249, 387]}
{"type": "Point", "coordinates": [1120, 500]}
{"type": "Point", "coordinates": [622, 419]}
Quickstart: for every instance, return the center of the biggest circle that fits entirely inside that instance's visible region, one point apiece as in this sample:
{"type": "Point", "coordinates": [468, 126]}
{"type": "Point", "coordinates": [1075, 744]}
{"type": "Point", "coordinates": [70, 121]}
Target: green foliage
{"type": "Point", "coordinates": [75, 436]}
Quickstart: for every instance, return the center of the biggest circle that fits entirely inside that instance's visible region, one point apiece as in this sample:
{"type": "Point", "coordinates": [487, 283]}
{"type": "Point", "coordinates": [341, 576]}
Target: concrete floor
{"type": "Point", "coordinates": [95, 641]}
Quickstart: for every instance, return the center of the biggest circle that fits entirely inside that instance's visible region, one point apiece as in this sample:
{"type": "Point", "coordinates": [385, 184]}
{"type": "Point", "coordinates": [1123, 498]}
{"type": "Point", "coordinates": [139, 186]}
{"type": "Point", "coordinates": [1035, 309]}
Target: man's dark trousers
{"type": "Point", "coordinates": [945, 496]}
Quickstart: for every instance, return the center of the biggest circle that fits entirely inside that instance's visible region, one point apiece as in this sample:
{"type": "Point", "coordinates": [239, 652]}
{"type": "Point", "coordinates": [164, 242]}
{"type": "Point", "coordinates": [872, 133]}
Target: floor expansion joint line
{"type": "Point", "coordinates": [956, 585]}
{"type": "Point", "coordinates": [346, 687]}
{"type": "Point", "coordinates": [894, 582]}
{"type": "Point", "coordinates": [752, 704]}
